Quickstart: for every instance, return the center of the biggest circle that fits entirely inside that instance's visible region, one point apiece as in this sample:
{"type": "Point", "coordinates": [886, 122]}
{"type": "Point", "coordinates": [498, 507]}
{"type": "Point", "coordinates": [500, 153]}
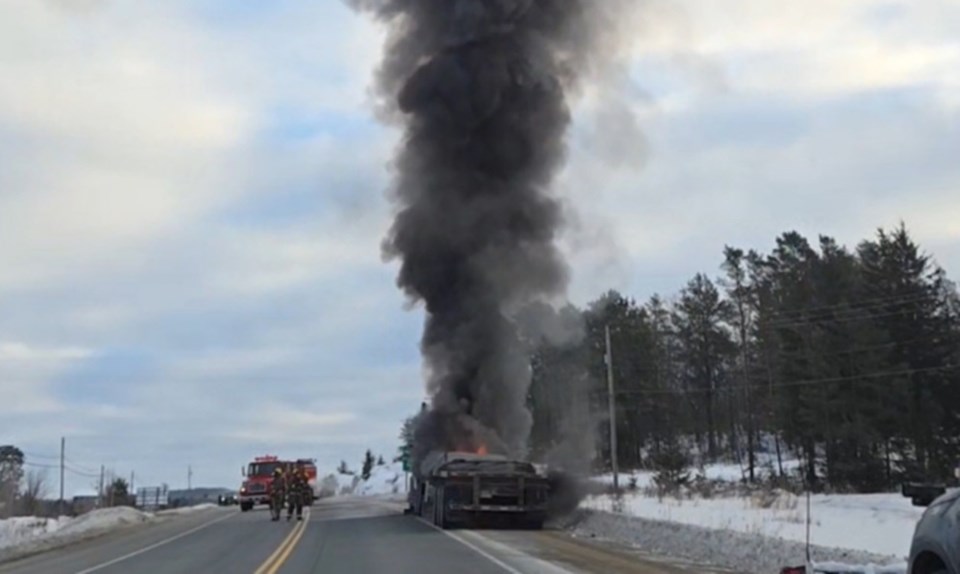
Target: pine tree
{"type": "Point", "coordinates": [741, 295]}
{"type": "Point", "coordinates": [705, 350]}
{"type": "Point", "coordinates": [368, 464]}
{"type": "Point", "coordinates": [913, 307]}
{"type": "Point", "coordinates": [11, 473]}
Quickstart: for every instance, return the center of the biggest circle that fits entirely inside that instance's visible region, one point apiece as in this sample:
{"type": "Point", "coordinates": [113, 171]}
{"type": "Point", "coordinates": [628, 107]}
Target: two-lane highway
{"type": "Point", "coordinates": [348, 536]}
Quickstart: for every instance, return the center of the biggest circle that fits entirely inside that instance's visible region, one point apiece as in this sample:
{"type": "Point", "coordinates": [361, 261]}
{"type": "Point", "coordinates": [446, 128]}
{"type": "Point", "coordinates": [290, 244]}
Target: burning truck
{"type": "Point", "coordinates": [471, 489]}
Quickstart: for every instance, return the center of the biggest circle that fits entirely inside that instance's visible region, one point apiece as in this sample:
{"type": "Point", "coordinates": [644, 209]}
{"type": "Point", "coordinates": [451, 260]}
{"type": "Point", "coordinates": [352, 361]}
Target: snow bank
{"type": "Point", "coordinates": [739, 552]}
{"type": "Point", "coordinates": [14, 531]}
{"type": "Point", "coordinates": [877, 523]}
{"type": "Point", "coordinates": [19, 536]}
{"type": "Point", "coordinates": [384, 480]}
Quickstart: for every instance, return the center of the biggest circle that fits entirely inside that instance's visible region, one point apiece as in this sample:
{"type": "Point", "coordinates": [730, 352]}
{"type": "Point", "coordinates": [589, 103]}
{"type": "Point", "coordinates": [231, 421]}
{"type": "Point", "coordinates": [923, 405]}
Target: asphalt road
{"type": "Point", "coordinates": [348, 536]}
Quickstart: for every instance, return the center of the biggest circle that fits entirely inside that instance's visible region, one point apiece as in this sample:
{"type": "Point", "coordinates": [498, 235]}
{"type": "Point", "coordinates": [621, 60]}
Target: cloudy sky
{"type": "Point", "coordinates": [191, 204]}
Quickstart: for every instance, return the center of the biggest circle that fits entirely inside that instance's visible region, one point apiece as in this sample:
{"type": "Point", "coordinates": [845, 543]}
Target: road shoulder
{"type": "Point", "coordinates": [88, 550]}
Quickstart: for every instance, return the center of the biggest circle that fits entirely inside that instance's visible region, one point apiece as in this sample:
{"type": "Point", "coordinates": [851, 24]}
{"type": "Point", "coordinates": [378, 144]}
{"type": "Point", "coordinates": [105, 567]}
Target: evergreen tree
{"type": "Point", "coordinates": [913, 306]}
{"type": "Point", "coordinates": [705, 350]}
{"type": "Point", "coordinates": [742, 298]}
{"type": "Point", "coordinates": [368, 464]}
{"type": "Point", "coordinates": [11, 473]}
{"type": "Point", "coordinates": [849, 360]}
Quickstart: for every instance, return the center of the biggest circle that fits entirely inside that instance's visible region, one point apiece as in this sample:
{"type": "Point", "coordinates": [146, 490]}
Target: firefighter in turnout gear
{"type": "Point", "coordinates": [278, 493]}
{"type": "Point", "coordinates": [297, 490]}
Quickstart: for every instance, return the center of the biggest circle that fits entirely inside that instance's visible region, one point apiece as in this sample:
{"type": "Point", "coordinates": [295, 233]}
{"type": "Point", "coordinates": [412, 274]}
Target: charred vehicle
{"type": "Point", "coordinates": [464, 489]}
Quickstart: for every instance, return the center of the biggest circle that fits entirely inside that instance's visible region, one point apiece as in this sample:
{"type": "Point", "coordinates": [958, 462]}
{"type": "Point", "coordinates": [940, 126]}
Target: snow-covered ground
{"type": "Point", "coordinates": [726, 472]}
{"type": "Point", "coordinates": [727, 549]}
{"type": "Point", "coordinates": [25, 535]}
{"type": "Point", "coordinates": [877, 523]}
{"type": "Point", "coordinates": [386, 480]}
{"type": "Point", "coordinates": [874, 527]}
{"type": "Point", "coordinates": [31, 533]}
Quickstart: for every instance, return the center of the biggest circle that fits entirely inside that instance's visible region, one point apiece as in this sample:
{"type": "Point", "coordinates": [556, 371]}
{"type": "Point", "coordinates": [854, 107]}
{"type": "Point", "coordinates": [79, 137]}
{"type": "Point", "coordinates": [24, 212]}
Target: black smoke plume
{"type": "Point", "coordinates": [480, 88]}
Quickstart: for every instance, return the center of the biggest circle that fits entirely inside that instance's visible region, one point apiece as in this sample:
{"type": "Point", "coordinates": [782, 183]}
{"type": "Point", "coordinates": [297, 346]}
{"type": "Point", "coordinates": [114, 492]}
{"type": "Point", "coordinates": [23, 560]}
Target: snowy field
{"type": "Point", "coordinates": [742, 528]}
{"type": "Point", "coordinates": [722, 471]}
{"type": "Point", "coordinates": [876, 523]}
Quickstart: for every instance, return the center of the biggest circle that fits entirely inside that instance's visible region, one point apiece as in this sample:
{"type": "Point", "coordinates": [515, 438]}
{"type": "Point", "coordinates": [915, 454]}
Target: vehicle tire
{"type": "Point", "coordinates": [441, 510]}
{"type": "Point", "coordinates": [246, 506]}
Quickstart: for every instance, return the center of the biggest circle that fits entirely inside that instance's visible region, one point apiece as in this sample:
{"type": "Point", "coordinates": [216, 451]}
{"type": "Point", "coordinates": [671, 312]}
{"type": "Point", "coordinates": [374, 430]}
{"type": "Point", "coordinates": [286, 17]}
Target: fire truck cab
{"type": "Point", "coordinates": [258, 478]}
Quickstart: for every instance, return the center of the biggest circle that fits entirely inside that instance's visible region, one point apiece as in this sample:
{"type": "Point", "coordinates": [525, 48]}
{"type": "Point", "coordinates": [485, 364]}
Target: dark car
{"type": "Point", "coordinates": [936, 541]}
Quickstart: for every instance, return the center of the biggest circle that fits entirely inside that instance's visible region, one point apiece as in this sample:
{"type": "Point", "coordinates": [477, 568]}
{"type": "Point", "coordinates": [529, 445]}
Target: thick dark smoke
{"type": "Point", "coordinates": [480, 87]}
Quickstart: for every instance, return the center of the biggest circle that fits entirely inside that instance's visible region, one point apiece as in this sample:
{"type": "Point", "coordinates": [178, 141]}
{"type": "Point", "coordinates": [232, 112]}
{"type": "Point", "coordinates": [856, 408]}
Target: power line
{"type": "Point", "coordinates": [790, 384]}
{"type": "Point", "coordinates": [82, 468]}
{"type": "Point", "coordinates": [40, 456]}
{"type": "Point", "coordinates": [868, 348]}
{"type": "Point", "coordinates": [81, 473]}
{"type": "Point", "coordinates": [859, 315]}
{"type": "Point", "coordinates": [39, 465]}
{"type": "Point", "coordinates": [858, 304]}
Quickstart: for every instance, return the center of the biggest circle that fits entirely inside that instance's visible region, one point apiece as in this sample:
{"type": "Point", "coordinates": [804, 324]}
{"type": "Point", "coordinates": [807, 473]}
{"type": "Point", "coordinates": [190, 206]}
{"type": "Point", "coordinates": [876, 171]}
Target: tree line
{"type": "Point", "coordinates": [25, 488]}
{"type": "Point", "coordinates": [846, 359]}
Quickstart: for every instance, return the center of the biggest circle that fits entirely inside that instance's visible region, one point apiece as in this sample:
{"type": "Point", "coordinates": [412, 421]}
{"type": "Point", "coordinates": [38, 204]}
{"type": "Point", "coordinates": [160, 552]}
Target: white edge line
{"type": "Point", "coordinates": [154, 545]}
{"type": "Point", "coordinates": [506, 567]}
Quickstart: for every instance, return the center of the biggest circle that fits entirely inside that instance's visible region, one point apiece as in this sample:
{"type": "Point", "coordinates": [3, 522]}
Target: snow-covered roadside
{"type": "Point", "coordinates": [22, 536]}
{"type": "Point", "coordinates": [740, 552]}
{"type": "Point", "coordinates": [385, 481]}
{"type": "Point", "coordinates": [29, 535]}
{"type": "Point", "coordinates": [880, 524]}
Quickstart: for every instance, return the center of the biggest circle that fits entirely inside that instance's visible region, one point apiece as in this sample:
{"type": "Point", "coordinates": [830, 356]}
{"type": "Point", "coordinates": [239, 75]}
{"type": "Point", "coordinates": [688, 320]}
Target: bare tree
{"type": "Point", "coordinates": [34, 491]}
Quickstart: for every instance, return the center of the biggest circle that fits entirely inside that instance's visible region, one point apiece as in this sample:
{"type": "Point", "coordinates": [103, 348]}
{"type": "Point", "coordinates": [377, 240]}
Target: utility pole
{"type": "Point", "coordinates": [189, 478]}
{"type": "Point", "coordinates": [63, 458]}
{"type": "Point", "coordinates": [611, 404]}
{"type": "Point", "coordinates": [132, 475]}
{"type": "Point", "coordinates": [100, 490]}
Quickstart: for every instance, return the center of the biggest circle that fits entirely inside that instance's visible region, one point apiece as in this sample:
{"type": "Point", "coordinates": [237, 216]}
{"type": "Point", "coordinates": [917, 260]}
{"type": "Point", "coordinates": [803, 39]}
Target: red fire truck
{"type": "Point", "coordinates": [258, 478]}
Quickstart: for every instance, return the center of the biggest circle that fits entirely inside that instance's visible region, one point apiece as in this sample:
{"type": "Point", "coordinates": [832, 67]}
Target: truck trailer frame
{"type": "Point", "coordinates": [464, 489]}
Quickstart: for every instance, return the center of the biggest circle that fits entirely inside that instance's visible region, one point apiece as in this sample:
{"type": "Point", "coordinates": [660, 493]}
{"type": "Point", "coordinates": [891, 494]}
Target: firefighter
{"type": "Point", "coordinates": [296, 492]}
{"type": "Point", "coordinates": [278, 492]}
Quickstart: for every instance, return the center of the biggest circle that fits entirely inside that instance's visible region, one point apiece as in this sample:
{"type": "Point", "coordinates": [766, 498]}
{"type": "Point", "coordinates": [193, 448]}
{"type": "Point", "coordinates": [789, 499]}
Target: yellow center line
{"type": "Point", "coordinates": [282, 553]}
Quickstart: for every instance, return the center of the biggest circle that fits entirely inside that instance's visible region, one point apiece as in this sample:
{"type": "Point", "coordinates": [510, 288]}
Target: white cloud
{"type": "Point", "coordinates": [17, 351]}
{"type": "Point", "coordinates": [819, 48]}
{"type": "Point", "coordinates": [828, 117]}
